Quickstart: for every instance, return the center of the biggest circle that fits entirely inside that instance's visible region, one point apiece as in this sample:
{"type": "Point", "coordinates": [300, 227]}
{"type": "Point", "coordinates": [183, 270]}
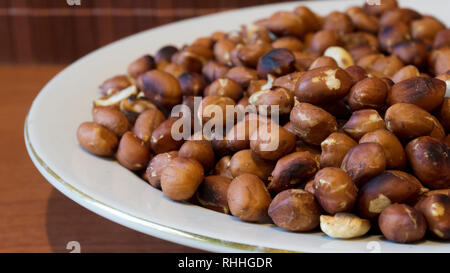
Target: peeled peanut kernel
{"type": "Point", "coordinates": [340, 55]}
{"type": "Point", "coordinates": [344, 225]}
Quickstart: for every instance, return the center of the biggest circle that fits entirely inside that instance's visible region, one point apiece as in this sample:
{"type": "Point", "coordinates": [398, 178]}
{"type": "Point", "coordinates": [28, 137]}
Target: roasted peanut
{"type": "Point", "coordinates": [181, 178]}
{"type": "Point", "coordinates": [310, 19]}
{"type": "Point", "coordinates": [132, 153]}
{"type": "Point", "coordinates": [272, 142]}
{"type": "Point", "coordinates": [291, 170]}
{"type": "Point", "coordinates": [430, 160]}
{"type": "Point", "coordinates": [147, 122]}
{"type": "Point", "coordinates": [405, 15]}
{"type": "Point", "coordinates": [442, 39]}
{"type": "Point", "coordinates": [141, 65]}
{"type": "Point", "coordinates": [162, 140]}
{"type": "Point", "coordinates": [339, 22]}
{"type": "Point", "coordinates": [116, 83]}
{"type": "Point", "coordinates": [112, 119]}
{"type": "Point", "coordinates": [426, 28]}
{"type": "Point", "coordinates": [277, 62]}
{"type": "Point", "coordinates": [363, 162]}
{"type": "Point", "coordinates": [245, 162]}
{"type": "Point", "coordinates": [385, 189]}
{"type": "Point", "coordinates": [342, 57]}
{"type": "Point", "coordinates": [224, 87]}
{"type": "Point", "coordinates": [344, 225]}
{"type": "Point", "coordinates": [357, 73]}
{"type": "Point", "coordinates": [412, 52]}
{"type": "Point", "coordinates": [283, 23]}
{"type": "Point", "coordinates": [391, 35]}
{"type": "Point", "coordinates": [212, 193]}
{"type": "Point", "coordinates": [368, 93]}
{"type": "Point", "coordinates": [427, 93]}
{"type": "Point", "coordinates": [295, 210]}
{"type": "Point", "coordinates": [289, 43]}
{"type": "Point", "coordinates": [214, 108]}
{"type": "Point", "coordinates": [444, 114]}
{"type": "Point", "coordinates": [222, 167]}
{"type": "Point", "coordinates": [393, 149]}
{"type": "Point", "coordinates": [96, 139]}
{"type": "Point", "coordinates": [322, 62]}
{"type": "Point", "coordinates": [436, 209]}
{"type": "Point", "coordinates": [323, 85]}
{"type": "Point", "coordinates": [213, 70]}
{"type": "Point", "coordinates": [439, 61]}
{"type": "Point", "coordinates": [402, 223]}
{"type": "Point", "coordinates": [280, 97]}
{"type": "Point", "coordinates": [335, 190]}
{"type": "Point", "coordinates": [191, 84]}
{"type": "Point", "coordinates": [362, 122]}
{"type": "Point", "coordinates": [288, 81]}
{"type": "Point", "coordinates": [248, 55]}
{"type": "Point", "coordinates": [161, 88]}
{"type": "Point", "coordinates": [334, 149]}
{"type": "Point", "coordinates": [156, 165]}
{"type": "Point", "coordinates": [165, 53]}
{"type": "Point", "coordinates": [248, 198]}
{"type": "Point", "coordinates": [408, 121]}
{"type": "Point", "coordinates": [311, 123]}
{"type": "Point", "coordinates": [323, 40]}
{"type": "Point", "coordinates": [361, 20]}
{"type": "Point", "coordinates": [242, 75]}
{"type": "Point", "coordinates": [200, 150]}
{"type": "Point", "coordinates": [407, 72]}
{"type": "Point", "coordinates": [132, 107]}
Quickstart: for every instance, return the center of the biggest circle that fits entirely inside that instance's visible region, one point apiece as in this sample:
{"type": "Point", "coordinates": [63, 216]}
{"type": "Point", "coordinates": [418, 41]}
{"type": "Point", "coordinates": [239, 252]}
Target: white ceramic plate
{"type": "Point", "coordinates": [108, 189]}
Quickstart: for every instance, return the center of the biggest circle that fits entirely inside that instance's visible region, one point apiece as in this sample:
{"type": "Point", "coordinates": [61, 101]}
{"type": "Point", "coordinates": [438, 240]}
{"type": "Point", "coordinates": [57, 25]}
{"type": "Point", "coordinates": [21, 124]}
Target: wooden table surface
{"type": "Point", "coordinates": [35, 217]}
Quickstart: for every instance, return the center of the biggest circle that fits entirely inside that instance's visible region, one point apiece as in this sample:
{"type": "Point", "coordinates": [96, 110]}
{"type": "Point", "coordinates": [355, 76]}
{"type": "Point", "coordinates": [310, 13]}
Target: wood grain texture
{"type": "Point", "coordinates": [51, 31]}
{"type": "Point", "coordinates": [34, 217]}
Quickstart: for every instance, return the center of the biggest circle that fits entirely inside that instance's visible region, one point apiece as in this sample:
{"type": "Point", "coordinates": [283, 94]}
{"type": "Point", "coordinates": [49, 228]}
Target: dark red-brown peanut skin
{"type": "Point", "coordinates": [385, 189]}
{"type": "Point", "coordinates": [112, 119]}
{"type": "Point", "coordinates": [427, 93]}
{"type": "Point", "coordinates": [430, 160]}
{"type": "Point", "coordinates": [444, 114]}
{"type": "Point", "coordinates": [408, 121]}
{"type": "Point", "coordinates": [363, 162]}
{"type": "Point", "coordinates": [393, 148]}
{"type": "Point", "coordinates": [335, 190]}
{"type": "Point", "coordinates": [212, 193]}
{"type": "Point", "coordinates": [311, 123]}
{"type": "Point", "coordinates": [436, 209]}
{"type": "Point", "coordinates": [248, 198]}
{"type": "Point", "coordinates": [275, 146]}
{"type": "Point", "coordinates": [295, 210]}
{"type": "Point", "coordinates": [161, 88]}
{"type": "Point", "coordinates": [323, 85]}
{"type": "Point", "coordinates": [402, 223]}
{"type": "Point", "coordinates": [368, 93]}
{"type": "Point", "coordinates": [118, 82]}
{"type": "Point", "coordinates": [162, 140]}
{"type": "Point", "coordinates": [96, 139]}
{"type": "Point", "coordinates": [201, 150]}
{"type": "Point", "coordinates": [147, 122]}
{"type": "Point", "coordinates": [181, 178]}
{"type": "Point", "coordinates": [334, 149]}
{"type": "Point", "coordinates": [155, 167]}
{"type": "Point", "coordinates": [362, 122]}
{"type": "Point", "coordinates": [291, 170]}
{"type": "Point", "coordinates": [133, 153]}
{"type": "Point", "coordinates": [277, 62]}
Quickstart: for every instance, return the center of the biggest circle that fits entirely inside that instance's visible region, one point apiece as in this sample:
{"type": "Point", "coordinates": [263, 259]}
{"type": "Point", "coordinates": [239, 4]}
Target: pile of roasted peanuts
{"type": "Point", "coordinates": [362, 128]}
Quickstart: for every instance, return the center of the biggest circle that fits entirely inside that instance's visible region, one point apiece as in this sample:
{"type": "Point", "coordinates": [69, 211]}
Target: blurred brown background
{"type": "Point", "coordinates": [53, 31]}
